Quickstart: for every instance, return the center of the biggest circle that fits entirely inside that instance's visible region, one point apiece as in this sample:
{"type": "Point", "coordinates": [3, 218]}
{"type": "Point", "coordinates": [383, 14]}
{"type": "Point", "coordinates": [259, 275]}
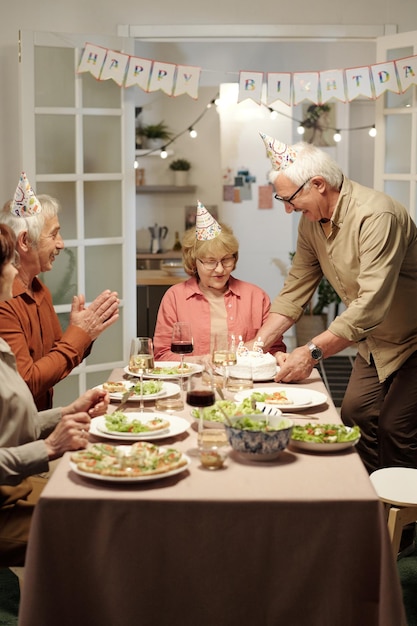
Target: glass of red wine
{"type": "Point", "coordinates": [200, 394]}
{"type": "Point", "coordinates": [181, 341]}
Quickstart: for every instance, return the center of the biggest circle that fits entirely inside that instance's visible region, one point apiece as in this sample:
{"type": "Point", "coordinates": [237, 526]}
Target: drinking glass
{"type": "Point", "coordinates": [181, 340]}
{"type": "Point", "coordinates": [240, 378]}
{"type": "Point", "coordinates": [200, 394]}
{"type": "Point", "coordinates": [141, 361]}
{"type": "Point", "coordinates": [224, 353]}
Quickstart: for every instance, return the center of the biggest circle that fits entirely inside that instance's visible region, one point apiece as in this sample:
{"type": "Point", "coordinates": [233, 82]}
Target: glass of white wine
{"type": "Point", "coordinates": [224, 353]}
{"type": "Point", "coordinates": [141, 361]}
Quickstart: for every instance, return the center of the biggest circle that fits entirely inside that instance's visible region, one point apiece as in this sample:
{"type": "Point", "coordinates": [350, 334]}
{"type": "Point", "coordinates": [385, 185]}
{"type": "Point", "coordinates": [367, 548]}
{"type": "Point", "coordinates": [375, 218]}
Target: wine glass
{"type": "Point", "coordinates": [181, 340]}
{"type": "Point", "coordinates": [141, 361]}
{"type": "Point", "coordinates": [200, 394]}
{"type": "Point", "coordinates": [224, 353]}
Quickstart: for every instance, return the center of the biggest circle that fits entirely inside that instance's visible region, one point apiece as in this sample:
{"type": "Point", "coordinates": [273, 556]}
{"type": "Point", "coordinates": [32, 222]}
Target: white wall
{"type": "Point", "coordinates": [94, 16]}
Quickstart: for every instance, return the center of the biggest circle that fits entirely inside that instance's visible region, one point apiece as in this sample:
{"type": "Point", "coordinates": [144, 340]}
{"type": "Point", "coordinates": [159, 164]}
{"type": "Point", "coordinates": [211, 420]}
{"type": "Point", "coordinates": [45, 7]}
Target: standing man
{"type": "Point", "coordinates": [28, 322]}
{"type": "Point", "coordinates": [365, 243]}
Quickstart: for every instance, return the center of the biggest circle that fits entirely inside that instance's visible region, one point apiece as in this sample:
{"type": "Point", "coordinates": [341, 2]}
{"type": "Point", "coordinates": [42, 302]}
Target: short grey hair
{"type": "Point", "coordinates": [33, 224]}
{"type": "Point", "coordinates": [311, 161]}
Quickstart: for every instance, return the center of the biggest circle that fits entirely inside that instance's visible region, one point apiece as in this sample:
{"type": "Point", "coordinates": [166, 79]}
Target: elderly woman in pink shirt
{"type": "Point", "coordinates": [212, 301]}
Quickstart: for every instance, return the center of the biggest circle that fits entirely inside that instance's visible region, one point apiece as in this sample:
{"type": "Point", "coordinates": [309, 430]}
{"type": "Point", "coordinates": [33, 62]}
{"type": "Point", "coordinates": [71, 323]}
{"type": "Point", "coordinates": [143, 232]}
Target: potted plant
{"type": "Point", "coordinates": [155, 134]}
{"type": "Point", "coordinates": [180, 167]}
{"type": "Point", "coordinates": [315, 317]}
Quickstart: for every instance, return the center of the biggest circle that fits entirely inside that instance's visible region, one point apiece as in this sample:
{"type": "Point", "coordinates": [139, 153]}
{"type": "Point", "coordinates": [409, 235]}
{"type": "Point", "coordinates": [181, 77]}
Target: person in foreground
{"type": "Point", "coordinates": [212, 300]}
{"type": "Point", "coordinates": [28, 439]}
{"type": "Point", "coordinates": [365, 243]}
{"type": "Point", "coordinates": [28, 323]}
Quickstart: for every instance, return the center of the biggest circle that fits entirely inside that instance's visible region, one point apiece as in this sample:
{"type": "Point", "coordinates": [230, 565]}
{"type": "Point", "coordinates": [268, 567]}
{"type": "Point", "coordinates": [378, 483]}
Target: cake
{"type": "Point", "coordinates": [264, 365]}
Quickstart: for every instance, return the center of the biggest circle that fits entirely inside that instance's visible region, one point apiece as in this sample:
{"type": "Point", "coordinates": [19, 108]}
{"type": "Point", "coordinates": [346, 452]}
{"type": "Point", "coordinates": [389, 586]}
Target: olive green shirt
{"type": "Point", "coordinates": [370, 258]}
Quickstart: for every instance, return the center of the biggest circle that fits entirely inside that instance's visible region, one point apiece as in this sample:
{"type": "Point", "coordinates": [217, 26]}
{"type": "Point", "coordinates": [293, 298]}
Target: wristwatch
{"type": "Point", "coordinates": [316, 353]}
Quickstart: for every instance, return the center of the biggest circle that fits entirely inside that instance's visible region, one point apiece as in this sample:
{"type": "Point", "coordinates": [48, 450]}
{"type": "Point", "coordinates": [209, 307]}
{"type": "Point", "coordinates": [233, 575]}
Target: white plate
{"type": "Point", "coordinates": [168, 389]}
{"type": "Point", "coordinates": [301, 398]}
{"type": "Point", "coordinates": [194, 369]}
{"type": "Point", "coordinates": [311, 446]}
{"type": "Point", "coordinates": [131, 479]}
{"type": "Point", "coordinates": [177, 426]}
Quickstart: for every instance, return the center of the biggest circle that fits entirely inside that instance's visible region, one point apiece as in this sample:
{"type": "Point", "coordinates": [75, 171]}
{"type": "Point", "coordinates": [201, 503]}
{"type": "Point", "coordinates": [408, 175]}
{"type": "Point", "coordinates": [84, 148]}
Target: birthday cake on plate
{"type": "Point", "coordinates": [263, 364]}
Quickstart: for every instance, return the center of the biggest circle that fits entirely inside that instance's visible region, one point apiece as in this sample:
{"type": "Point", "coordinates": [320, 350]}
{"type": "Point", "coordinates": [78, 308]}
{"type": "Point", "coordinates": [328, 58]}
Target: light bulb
{"type": "Point", "coordinates": [164, 153]}
{"type": "Point", "coordinates": [372, 131]}
{"type": "Point", "coordinates": [337, 136]}
{"type": "Point", "coordinates": [301, 130]}
{"type": "Point", "coordinates": [193, 133]}
{"type": "Point", "coordinates": [274, 114]}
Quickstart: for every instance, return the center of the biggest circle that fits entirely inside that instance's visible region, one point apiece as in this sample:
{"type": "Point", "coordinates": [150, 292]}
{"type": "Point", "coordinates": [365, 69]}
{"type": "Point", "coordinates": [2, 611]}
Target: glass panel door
{"type": "Point", "coordinates": [396, 123]}
{"type": "Point", "coordinates": [78, 145]}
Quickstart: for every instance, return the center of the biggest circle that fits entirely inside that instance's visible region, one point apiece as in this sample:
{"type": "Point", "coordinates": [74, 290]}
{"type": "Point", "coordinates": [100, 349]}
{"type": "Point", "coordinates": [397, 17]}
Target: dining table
{"type": "Point", "coordinates": [300, 540]}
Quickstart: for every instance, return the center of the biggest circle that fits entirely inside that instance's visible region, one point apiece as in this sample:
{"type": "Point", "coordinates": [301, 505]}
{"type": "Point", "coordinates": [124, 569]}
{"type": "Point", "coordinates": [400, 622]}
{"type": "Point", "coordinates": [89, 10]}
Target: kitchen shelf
{"type": "Point", "coordinates": [166, 189]}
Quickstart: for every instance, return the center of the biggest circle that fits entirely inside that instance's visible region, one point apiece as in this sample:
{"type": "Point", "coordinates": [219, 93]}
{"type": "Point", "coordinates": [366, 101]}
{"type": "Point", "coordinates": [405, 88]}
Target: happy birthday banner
{"type": "Point", "coordinates": [291, 88]}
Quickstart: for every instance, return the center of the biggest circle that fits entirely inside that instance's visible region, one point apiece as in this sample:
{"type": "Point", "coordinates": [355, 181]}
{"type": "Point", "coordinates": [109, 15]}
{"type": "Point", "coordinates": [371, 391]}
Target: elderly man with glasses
{"type": "Point", "coordinates": [365, 243]}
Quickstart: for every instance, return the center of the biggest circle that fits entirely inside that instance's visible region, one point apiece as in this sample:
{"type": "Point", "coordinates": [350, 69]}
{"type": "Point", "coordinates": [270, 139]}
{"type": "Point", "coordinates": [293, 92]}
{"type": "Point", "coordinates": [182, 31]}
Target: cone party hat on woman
{"type": "Point", "coordinates": [280, 154]}
{"type": "Point", "coordinates": [206, 226]}
{"type": "Point", "coordinates": [25, 202]}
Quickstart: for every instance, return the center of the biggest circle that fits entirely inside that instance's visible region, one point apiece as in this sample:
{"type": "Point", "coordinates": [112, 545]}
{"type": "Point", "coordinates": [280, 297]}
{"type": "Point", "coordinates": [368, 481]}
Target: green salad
{"type": "Point", "coordinates": [119, 422]}
{"type": "Point", "coordinates": [214, 413]}
{"type": "Point", "coordinates": [245, 423]}
{"type": "Point", "coordinates": [325, 433]}
{"type": "Point", "coordinates": [150, 387]}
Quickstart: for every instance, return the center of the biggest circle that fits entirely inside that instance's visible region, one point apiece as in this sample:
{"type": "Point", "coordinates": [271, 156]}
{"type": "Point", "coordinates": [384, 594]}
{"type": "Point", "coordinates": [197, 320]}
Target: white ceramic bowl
{"type": "Point", "coordinates": [173, 268]}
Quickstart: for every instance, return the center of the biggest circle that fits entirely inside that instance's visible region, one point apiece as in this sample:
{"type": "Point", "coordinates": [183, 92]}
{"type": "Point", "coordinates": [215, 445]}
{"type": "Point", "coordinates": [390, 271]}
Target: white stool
{"type": "Point", "coordinates": [397, 488]}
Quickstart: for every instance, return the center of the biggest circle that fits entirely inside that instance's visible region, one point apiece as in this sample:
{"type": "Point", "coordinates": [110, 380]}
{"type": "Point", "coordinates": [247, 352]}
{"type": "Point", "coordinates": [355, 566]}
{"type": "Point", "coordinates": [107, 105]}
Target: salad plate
{"type": "Point", "coordinates": [151, 391]}
{"type": "Point", "coordinates": [168, 369]}
{"type": "Point", "coordinates": [289, 398]}
{"type": "Point", "coordinates": [176, 426]}
{"type": "Point", "coordinates": [324, 437]}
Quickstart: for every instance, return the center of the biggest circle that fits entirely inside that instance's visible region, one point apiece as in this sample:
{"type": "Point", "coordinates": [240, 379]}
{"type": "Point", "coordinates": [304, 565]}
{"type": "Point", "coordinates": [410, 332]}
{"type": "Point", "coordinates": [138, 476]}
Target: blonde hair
{"type": "Point", "coordinates": [193, 249]}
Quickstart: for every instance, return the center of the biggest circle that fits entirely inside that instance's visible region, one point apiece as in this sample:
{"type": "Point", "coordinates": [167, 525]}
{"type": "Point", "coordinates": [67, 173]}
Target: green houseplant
{"type": "Point", "coordinates": [155, 134]}
{"type": "Point", "coordinates": [180, 165]}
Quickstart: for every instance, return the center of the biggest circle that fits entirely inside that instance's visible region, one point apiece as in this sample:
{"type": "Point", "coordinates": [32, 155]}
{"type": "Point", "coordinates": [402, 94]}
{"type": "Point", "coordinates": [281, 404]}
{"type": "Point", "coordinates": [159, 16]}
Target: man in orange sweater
{"type": "Point", "coordinates": [44, 353]}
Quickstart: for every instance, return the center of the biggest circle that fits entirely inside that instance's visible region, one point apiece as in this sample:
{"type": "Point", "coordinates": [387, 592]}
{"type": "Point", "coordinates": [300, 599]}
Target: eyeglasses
{"type": "Point", "coordinates": [211, 264]}
{"type": "Point", "coordinates": [289, 200]}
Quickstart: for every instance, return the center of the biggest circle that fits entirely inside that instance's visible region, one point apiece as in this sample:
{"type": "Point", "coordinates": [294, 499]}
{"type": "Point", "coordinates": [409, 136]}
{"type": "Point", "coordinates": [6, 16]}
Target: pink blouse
{"type": "Point", "coordinates": [247, 307]}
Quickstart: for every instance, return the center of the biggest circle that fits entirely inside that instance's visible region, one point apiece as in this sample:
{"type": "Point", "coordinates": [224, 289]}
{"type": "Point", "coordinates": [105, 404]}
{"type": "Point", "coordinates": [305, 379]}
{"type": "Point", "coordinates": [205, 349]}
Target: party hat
{"type": "Point", "coordinates": [206, 226]}
{"type": "Point", "coordinates": [281, 155]}
{"type": "Point", "coordinates": [25, 202]}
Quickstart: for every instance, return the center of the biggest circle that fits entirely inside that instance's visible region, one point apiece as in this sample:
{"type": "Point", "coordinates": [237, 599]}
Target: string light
{"type": "Point", "coordinates": [190, 129]}
{"type": "Point", "coordinates": [274, 114]}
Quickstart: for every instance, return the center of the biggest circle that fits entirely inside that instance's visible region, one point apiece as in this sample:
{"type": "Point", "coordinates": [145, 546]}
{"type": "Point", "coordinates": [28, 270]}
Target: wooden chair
{"type": "Point", "coordinates": [19, 572]}
{"type": "Point", "coordinates": [397, 488]}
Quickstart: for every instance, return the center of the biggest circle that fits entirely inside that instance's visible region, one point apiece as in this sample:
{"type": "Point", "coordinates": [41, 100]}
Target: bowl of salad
{"type": "Point", "coordinates": [259, 437]}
